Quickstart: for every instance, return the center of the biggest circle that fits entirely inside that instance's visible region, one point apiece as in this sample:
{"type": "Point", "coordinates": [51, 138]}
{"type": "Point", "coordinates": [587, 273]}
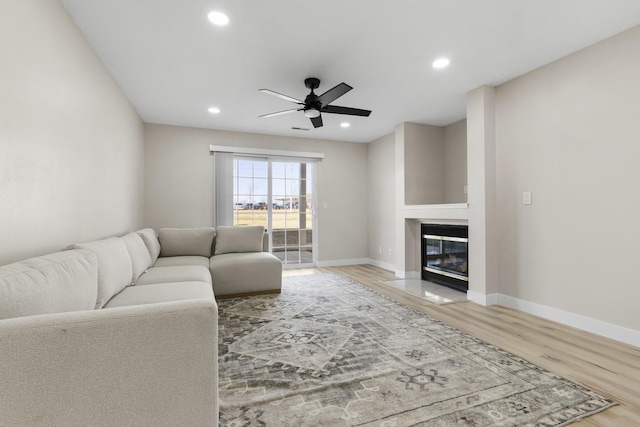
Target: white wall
{"type": "Point", "coordinates": [482, 211]}
{"type": "Point", "coordinates": [423, 164]}
{"type": "Point", "coordinates": [178, 177]}
{"type": "Point", "coordinates": [381, 209]}
{"type": "Point", "coordinates": [71, 145]}
{"type": "Point", "coordinates": [455, 162]}
{"type": "Point", "coordinates": [435, 163]}
{"type": "Point", "coordinates": [179, 183]}
{"type": "Point", "coordinates": [569, 133]}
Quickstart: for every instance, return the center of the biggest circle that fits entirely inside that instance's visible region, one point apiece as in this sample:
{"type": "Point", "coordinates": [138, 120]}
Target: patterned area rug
{"type": "Point", "coordinates": [331, 352]}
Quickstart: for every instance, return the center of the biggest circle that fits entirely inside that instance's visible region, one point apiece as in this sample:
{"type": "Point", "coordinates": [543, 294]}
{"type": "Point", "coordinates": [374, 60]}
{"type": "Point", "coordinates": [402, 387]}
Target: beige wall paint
{"type": "Point", "coordinates": [399, 156]}
{"type": "Point", "coordinates": [179, 183]}
{"type": "Point", "coordinates": [178, 177]}
{"type": "Point", "coordinates": [455, 162]}
{"type": "Point", "coordinates": [568, 132]}
{"type": "Point", "coordinates": [71, 145]}
{"type": "Point", "coordinates": [423, 164]}
{"type": "Point", "coordinates": [381, 209]}
{"type": "Point", "coordinates": [481, 152]}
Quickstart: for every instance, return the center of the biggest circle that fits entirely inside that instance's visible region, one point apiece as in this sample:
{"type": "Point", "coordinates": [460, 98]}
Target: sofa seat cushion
{"type": "Point", "coordinates": [161, 292]}
{"type": "Point", "coordinates": [242, 273]}
{"type": "Point", "coordinates": [54, 283]}
{"type": "Point", "coordinates": [182, 260]}
{"type": "Point", "coordinates": [175, 273]}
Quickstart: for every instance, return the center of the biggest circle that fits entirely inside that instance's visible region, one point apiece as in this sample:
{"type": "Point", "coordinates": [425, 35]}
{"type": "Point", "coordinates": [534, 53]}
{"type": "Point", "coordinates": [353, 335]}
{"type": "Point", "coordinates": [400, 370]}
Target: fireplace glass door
{"type": "Point", "coordinates": [446, 255]}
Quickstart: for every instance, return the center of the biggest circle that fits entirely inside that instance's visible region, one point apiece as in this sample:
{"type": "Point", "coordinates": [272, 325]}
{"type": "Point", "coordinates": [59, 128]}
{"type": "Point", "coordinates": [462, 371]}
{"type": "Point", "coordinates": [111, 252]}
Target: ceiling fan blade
{"type": "Point", "coordinates": [317, 122]}
{"type": "Point", "coordinates": [334, 109]}
{"type": "Point", "coordinates": [280, 112]}
{"type": "Point", "coordinates": [334, 93]}
{"type": "Point", "coordinates": [281, 96]}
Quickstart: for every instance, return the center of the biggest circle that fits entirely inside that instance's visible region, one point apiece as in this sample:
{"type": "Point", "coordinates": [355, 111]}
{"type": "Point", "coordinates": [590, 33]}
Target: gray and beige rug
{"type": "Point", "coordinates": [331, 352]}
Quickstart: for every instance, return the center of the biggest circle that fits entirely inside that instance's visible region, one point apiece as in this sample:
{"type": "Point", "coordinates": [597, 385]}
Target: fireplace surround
{"type": "Point", "coordinates": [445, 255]}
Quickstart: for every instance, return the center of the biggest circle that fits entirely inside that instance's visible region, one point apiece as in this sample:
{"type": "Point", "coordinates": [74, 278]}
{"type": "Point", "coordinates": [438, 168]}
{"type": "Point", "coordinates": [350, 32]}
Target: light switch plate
{"type": "Point", "coordinates": [526, 198]}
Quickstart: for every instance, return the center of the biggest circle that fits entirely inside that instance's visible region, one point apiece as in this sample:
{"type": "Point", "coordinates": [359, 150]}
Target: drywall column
{"type": "Point", "coordinates": [399, 203]}
{"type": "Point", "coordinates": [481, 169]}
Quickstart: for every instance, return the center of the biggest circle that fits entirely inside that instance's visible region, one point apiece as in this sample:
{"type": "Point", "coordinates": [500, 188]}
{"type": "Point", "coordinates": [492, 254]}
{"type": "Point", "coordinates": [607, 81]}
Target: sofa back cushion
{"type": "Point", "coordinates": [114, 267]}
{"type": "Point", "coordinates": [54, 283]}
{"type": "Point", "coordinates": [186, 241]}
{"type": "Point", "coordinates": [238, 239]}
{"type": "Point", "coordinates": [150, 239]}
{"type": "Point", "coordinates": [139, 254]}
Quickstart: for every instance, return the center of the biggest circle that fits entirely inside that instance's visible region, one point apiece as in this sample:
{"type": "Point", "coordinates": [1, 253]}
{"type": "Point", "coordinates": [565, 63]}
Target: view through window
{"type": "Point", "coordinates": [279, 196]}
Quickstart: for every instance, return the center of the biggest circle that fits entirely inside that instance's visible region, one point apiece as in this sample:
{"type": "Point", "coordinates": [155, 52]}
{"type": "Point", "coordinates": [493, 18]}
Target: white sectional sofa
{"type": "Point", "coordinates": [123, 331]}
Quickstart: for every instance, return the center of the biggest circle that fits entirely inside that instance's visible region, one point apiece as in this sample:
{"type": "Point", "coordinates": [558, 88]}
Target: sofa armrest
{"type": "Point", "coordinates": [148, 365]}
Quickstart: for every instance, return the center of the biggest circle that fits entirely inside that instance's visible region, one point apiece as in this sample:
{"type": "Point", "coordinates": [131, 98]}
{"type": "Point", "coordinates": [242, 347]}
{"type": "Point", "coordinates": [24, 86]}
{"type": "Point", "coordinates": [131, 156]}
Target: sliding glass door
{"type": "Point", "coordinates": [277, 194]}
{"type": "Point", "coordinates": [250, 192]}
{"type": "Point", "coordinates": [292, 217]}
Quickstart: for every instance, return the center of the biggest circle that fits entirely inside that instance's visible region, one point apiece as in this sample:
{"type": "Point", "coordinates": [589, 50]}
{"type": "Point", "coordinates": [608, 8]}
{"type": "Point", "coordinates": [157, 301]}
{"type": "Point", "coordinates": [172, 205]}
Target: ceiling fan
{"type": "Point", "coordinates": [314, 105]}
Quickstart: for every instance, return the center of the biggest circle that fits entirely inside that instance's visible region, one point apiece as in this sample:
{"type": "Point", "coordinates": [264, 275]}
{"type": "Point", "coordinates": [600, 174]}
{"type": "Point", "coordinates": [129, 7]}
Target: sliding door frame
{"type": "Point", "coordinates": [278, 156]}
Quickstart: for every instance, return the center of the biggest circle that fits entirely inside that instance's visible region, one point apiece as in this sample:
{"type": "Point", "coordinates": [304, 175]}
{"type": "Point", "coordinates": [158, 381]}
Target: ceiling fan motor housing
{"type": "Point", "coordinates": [311, 101]}
{"type": "Point", "coordinates": [312, 105]}
{"type": "Point", "coordinates": [312, 83]}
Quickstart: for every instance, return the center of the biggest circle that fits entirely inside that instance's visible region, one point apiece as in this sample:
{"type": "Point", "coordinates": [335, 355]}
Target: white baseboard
{"type": "Point", "coordinates": [384, 265]}
{"type": "Point", "coordinates": [342, 262]}
{"type": "Point", "coordinates": [598, 327]}
{"type": "Point", "coordinates": [483, 299]}
{"type": "Point", "coordinates": [400, 274]}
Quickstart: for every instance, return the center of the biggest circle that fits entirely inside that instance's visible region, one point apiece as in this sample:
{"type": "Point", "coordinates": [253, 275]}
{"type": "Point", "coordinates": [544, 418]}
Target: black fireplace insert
{"type": "Point", "coordinates": [445, 257]}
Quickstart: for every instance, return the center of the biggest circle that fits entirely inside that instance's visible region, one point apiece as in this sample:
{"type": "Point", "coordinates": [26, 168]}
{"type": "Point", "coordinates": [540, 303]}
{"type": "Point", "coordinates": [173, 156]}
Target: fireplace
{"type": "Point", "coordinates": [445, 255]}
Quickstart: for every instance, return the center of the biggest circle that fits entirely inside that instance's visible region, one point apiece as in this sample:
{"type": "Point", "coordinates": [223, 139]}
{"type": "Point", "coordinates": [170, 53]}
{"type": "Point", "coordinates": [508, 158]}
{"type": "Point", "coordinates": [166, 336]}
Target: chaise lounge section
{"type": "Point", "coordinates": [240, 266]}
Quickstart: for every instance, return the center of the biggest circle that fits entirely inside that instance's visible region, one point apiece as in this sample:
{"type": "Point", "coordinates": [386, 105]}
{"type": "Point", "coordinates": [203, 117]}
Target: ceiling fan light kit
{"type": "Point", "coordinates": [312, 113]}
{"type": "Point", "coordinates": [314, 105]}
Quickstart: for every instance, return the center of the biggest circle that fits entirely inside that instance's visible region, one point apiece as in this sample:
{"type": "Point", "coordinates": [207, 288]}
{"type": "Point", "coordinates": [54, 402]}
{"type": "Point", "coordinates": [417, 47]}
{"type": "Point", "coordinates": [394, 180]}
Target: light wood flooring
{"type": "Point", "coordinates": [606, 366]}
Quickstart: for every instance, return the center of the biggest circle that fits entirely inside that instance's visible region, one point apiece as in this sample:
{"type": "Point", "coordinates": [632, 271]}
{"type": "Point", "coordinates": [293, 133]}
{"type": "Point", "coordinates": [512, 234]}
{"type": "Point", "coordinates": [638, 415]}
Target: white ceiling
{"type": "Point", "coordinates": [173, 64]}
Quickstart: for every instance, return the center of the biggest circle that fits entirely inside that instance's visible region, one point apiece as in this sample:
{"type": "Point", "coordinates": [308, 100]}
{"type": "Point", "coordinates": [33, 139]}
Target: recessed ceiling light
{"type": "Point", "coordinates": [345, 125]}
{"type": "Point", "coordinates": [441, 63]}
{"type": "Point", "coordinates": [218, 18]}
{"type": "Point", "coordinates": [214, 110]}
